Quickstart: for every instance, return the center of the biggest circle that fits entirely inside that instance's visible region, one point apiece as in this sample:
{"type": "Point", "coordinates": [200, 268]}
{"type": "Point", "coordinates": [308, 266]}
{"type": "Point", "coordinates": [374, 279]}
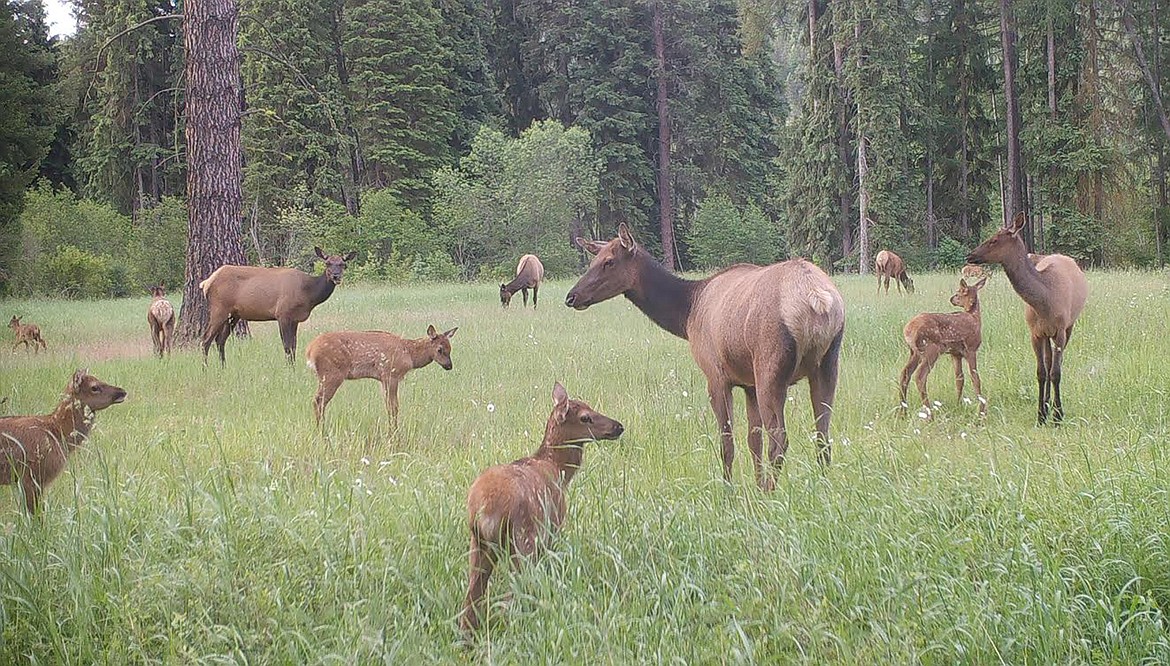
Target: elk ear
{"type": "Point", "coordinates": [317, 249]}
{"type": "Point", "coordinates": [349, 256]}
{"type": "Point", "coordinates": [590, 246]}
{"type": "Point", "coordinates": [431, 332]}
{"type": "Point", "coordinates": [451, 333]}
{"type": "Point", "coordinates": [77, 379]}
{"type": "Point", "coordinates": [624, 235]}
{"type": "Point", "coordinates": [560, 395]}
{"type": "Point", "coordinates": [1017, 223]}
{"type": "Point", "coordinates": [980, 283]}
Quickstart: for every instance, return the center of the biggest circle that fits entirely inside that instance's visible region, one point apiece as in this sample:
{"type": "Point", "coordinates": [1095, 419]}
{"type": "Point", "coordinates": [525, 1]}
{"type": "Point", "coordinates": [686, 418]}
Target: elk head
{"type": "Point", "coordinates": [505, 295]}
{"type": "Point", "coordinates": [14, 323]}
{"type": "Point", "coordinates": [158, 292]}
{"type": "Point", "coordinates": [334, 264]}
{"type": "Point", "coordinates": [613, 270]}
{"type": "Point", "coordinates": [1003, 244]}
{"type": "Point", "coordinates": [441, 346]}
{"type": "Point", "coordinates": [968, 295]}
{"type": "Point", "coordinates": [93, 392]}
{"type": "Point", "coordinates": [577, 422]}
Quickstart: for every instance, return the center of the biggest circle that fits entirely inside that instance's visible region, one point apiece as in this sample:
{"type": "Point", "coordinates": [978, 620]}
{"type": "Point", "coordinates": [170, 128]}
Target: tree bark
{"type": "Point", "coordinates": [1015, 199]}
{"type": "Point", "coordinates": [1127, 22]}
{"type": "Point", "coordinates": [213, 103]}
{"type": "Point", "coordinates": [665, 208]}
{"type": "Point", "coordinates": [862, 206]}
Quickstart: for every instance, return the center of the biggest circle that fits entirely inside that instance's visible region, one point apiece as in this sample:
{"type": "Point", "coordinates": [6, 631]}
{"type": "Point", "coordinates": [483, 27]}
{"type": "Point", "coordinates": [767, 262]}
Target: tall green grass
{"type": "Point", "coordinates": [208, 522]}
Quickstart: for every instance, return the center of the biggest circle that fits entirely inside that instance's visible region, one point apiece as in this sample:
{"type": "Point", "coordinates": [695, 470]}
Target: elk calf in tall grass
{"type": "Point", "coordinates": [956, 333]}
{"type": "Point", "coordinates": [342, 355]}
{"type": "Point", "coordinates": [33, 449]}
{"type": "Point", "coordinates": [28, 334]}
{"type": "Point", "coordinates": [513, 509]}
{"type": "Point", "coordinates": [161, 317]}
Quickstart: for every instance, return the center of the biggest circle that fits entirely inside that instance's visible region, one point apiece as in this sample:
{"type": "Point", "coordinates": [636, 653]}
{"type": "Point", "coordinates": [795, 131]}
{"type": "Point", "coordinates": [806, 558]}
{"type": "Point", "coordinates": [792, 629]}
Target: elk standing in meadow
{"type": "Point", "coordinates": [342, 355]}
{"type": "Point", "coordinates": [253, 293]}
{"type": "Point", "coordinates": [956, 333]}
{"type": "Point", "coordinates": [889, 265]}
{"type": "Point", "coordinates": [1054, 291]}
{"type": "Point", "coordinates": [26, 334]}
{"type": "Point", "coordinates": [761, 328]}
{"type": "Point", "coordinates": [529, 275]}
{"type": "Point", "coordinates": [161, 317]}
{"type": "Point", "coordinates": [514, 509]}
{"type": "Point", "coordinates": [33, 449]}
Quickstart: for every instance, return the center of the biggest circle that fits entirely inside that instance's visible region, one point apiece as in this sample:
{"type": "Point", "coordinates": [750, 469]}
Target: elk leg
{"type": "Point", "coordinates": [959, 377]}
{"type": "Point", "coordinates": [772, 399]}
{"type": "Point", "coordinates": [155, 337]}
{"type": "Point", "coordinates": [535, 288]}
{"type": "Point", "coordinates": [879, 277]}
{"type": "Point", "coordinates": [390, 393]}
{"type": "Point", "coordinates": [904, 381]}
{"type": "Point", "coordinates": [215, 322]}
{"type": "Point", "coordinates": [169, 336]}
{"type": "Point", "coordinates": [720, 395]}
{"type": "Point", "coordinates": [929, 357]}
{"type": "Point", "coordinates": [32, 493]}
{"type": "Point", "coordinates": [1043, 358]}
{"type": "Point", "coordinates": [222, 336]}
{"type": "Point", "coordinates": [524, 293]}
{"type": "Point", "coordinates": [973, 367]}
{"type": "Point", "coordinates": [822, 386]}
{"type": "Point", "coordinates": [1058, 345]}
{"type": "Point", "coordinates": [325, 391]}
{"type": "Point", "coordinates": [755, 436]}
{"type": "Point", "coordinates": [288, 336]}
{"type": "Point", "coordinates": [481, 562]}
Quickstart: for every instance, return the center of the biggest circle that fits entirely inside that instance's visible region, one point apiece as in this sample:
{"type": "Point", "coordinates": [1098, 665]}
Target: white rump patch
{"type": "Point", "coordinates": [206, 284]}
{"type": "Point", "coordinates": [820, 300]}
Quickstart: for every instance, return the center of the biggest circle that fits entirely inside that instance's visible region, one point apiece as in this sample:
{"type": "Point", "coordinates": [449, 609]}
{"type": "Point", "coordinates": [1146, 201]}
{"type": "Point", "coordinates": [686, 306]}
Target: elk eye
{"type": "Point", "coordinates": [95, 389]}
{"type": "Point", "coordinates": [585, 418]}
{"type": "Point", "coordinates": [608, 263]}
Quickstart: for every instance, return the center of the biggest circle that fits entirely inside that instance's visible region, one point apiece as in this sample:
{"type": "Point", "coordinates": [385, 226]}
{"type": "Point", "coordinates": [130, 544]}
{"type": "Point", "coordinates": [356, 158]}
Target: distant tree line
{"type": "Point", "coordinates": [442, 139]}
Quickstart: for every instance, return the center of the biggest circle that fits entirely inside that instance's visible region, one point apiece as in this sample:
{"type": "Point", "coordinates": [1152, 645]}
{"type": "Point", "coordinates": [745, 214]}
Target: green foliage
{"type": "Point", "coordinates": [724, 234]}
{"type": "Point", "coordinates": [160, 244]}
{"type": "Point", "coordinates": [1077, 235]}
{"type": "Point", "coordinates": [951, 253]}
{"type": "Point", "coordinates": [72, 273]}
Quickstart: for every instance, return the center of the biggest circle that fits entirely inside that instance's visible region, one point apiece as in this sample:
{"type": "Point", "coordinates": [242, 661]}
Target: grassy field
{"type": "Point", "coordinates": [208, 522]}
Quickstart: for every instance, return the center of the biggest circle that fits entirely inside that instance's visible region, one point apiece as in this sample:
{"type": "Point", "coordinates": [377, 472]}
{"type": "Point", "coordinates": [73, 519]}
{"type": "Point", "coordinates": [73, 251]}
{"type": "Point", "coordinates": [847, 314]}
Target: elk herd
{"type": "Point", "coordinates": [760, 329]}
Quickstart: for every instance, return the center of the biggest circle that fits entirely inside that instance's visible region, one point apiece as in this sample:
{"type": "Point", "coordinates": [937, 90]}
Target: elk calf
{"type": "Point", "coordinates": [957, 333]}
{"type": "Point", "coordinates": [161, 317]}
{"type": "Point", "coordinates": [29, 334]}
{"type": "Point", "coordinates": [514, 508]}
{"type": "Point", "coordinates": [33, 449]}
{"type": "Point", "coordinates": [342, 355]}
{"type": "Point", "coordinates": [889, 265]}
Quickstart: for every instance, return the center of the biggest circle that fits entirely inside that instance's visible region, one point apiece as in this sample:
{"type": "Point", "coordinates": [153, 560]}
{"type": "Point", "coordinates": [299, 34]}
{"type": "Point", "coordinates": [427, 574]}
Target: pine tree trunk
{"type": "Point", "coordinates": [1127, 22]}
{"type": "Point", "coordinates": [863, 206]}
{"type": "Point", "coordinates": [665, 210]}
{"type": "Point", "coordinates": [212, 78]}
{"type": "Point", "coordinates": [1015, 199]}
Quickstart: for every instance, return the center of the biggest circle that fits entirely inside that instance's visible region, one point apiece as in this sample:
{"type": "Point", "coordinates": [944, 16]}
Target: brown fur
{"type": "Point", "coordinates": [959, 334]}
{"type": "Point", "coordinates": [33, 449]}
{"type": "Point", "coordinates": [513, 509]}
{"type": "Point", "coordinates": [889, 265]}
{"type": "Point", "coordinates": [529, 275]}
{"type": "Point", "coordinates": [252, 293]}
{"type": "Point", "coordinates": [1054, 290]}
{"type": "Point", "coordinates": [27, 334]}
{"type": "Point", "coordinates": [761, 328]}
{"type": "Point", "coordinates": [161, 317]}
{"type": "Point", "coordinates": [342, 355]}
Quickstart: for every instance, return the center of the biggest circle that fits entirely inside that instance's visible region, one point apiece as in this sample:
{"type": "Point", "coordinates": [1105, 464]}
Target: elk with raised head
{"type": "Point", "coordinates": [253, 293]}
{"type": "Point", "coordinates": [889, 265]}
{"type": "Point", "coordinates": [959, 334]}
{"type": "Point", "coordinates": [513, 509]}
{"type": "Point", "coordinates": [161, 317]}
{"type": "Point", "coordinates": [26, 334]}
{"type": "Point", "coordinates": [33, 449]}
{"type": "Point", "coordinates": [529, 275]}
{"type": "Point", "coordinates": [1054, 290]}
{"type": "Point", "coordinates": [342, 355]}
{"type": "Point", "coordinates": [761, 328]}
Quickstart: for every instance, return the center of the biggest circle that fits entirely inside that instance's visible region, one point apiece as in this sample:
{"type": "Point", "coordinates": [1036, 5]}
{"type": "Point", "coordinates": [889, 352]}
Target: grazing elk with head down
{"type": "Point", "coordinates": [253, 293]}
{"type": "Point", "coordinates": [33, 449]}
{"type": "Point", "coordinates": [959, 334]}
{"type": "Point", "coordinates": [161, 317]}
{"type": "Point", "coordinates": [761, 328]}
{"type": "Point", "coordinates": [1054, 290]}
{"type": "Point", "coordinates": [513, 509]}
{"type": "Point", "coordinates": [342, 355]}
{"type": "Point", "coordinates": [26, 334]}
{"type": "Point", "coordinates": [529, 275]}
{"type": "Point", "coordinates": [889, 265]}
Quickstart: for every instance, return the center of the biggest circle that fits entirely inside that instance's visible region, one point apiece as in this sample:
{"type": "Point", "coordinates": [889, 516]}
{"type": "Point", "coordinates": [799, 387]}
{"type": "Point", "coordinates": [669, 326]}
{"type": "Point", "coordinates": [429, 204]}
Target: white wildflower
{"type": "Point", "coordinates": [491, 408]}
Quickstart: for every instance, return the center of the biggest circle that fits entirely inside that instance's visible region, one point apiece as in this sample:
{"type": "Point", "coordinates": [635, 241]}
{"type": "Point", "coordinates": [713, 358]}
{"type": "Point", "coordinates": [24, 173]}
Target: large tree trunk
{"type": "Point", "coordinates": [665, 209]}
{"type": "Point", "coordinates": [1127, 22]}
{"type": "Point", "coordinates": [213, 152]}
{"type": "Point", "coordinates": [862, 206]}
{"type": "Point", "coordinates": [1015, 169]}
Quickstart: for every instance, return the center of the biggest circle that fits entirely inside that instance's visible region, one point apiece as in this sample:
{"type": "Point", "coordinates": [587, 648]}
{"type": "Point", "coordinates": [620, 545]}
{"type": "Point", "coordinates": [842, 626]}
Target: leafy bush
{"type": "Point", "coordinates": [435, 267]}
{"type": "Point", "coordinates": [160, 245]}
{"type": "Point", "coordinates": [723, 234]}
{"type": "Point", "coordinates": [950, 253]}
{"type": "Point", "coordinates": [75, 273]}
{"type": "Point", "coordinates": [1077, 235]}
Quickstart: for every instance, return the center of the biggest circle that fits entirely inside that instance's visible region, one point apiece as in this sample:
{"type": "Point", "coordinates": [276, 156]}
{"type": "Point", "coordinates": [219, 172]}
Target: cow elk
{"type": "Point", "coordinates": [759, 328]}
{"type": "Point", "coordinates": [252, 293]}
{"type": "Point", "coordinates": [26, 334]}
{"type": "Point", "coordinates": [161, 317]}
{"type": "Point", "coordinates": [889, 265]}
{"type": "Point", "coordinates": [529, 275]}
{"type": "Point", "coordinates": [1054, 291]}
{"type": "Point", "coordinates": [959, 334]}
{"type": "Point", "coordinates": [342, 355]}
{"type": "Point", "coordinates": [513, 509]}
{"type": "Point", "coordinates": [33, 449]}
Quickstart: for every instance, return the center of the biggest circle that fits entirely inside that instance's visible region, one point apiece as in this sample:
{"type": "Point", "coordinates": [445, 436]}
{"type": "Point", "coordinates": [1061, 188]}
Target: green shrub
{"type": "Point", "coordinates": [435, 267]}
{"type": "Point", "coordinates": [1077, 235]}
{"type": "Point", "coordinates": [160, 245]}
{"type": "Point", "coordinates": [74, 273]}
{"type": "Point", "coordinates": [724, 234]}
{"type": "Point", "coordinates": [950, 253]}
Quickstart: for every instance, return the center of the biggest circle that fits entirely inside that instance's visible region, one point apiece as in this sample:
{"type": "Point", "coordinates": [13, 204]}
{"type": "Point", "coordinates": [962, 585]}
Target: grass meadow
{"type": "Point", "coordinates": [208, 522]}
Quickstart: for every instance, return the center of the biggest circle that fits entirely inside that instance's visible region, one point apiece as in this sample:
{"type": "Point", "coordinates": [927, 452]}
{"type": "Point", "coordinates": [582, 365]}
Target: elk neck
{"type": "Point", "coordinates": [74, 421]}
{"type": "Point", "coordinates": [1026, 281]}
{"type": "Point", "coordinates": [663, 296]}
{"type": "Point", "coordinates": [320, 289]}
{"type": "Point", "coordinates": [565, 456]}
{"type": "Point", "coordinates": [419, 351]}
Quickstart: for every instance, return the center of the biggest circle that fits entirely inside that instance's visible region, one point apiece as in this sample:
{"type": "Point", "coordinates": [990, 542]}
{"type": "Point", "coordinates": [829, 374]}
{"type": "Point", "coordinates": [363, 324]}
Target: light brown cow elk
{"type": "Point", "coordinates": [889, 265]}
{"type": "Point", "coordinates": [529, 275]}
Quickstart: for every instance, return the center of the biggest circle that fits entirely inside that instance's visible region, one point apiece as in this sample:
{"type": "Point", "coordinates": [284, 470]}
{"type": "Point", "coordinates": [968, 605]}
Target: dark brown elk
{"type": "Point", "coordinates": [529, 275]}
{"type": "Point", "coordinates": [26, 334]}
{"type": "Point", "coordinates": [252, 293]}
{"type": "Point", "coordinates": [513, 509]}
{"type": "Point", "coordinates": [1054, 290]}
{"type": "Point", "coordinates": [33, 449]}
{"type": "Point", "coordinates": [889, 265]}
{"type": "Point", "coordinates": [959, 334]}
{"type": "Point", "coordinates": [342, 355]}
{"type": "Point", "coordinates": [161, 317]}
{"type": "Point", "coordinates": [759, 328]}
